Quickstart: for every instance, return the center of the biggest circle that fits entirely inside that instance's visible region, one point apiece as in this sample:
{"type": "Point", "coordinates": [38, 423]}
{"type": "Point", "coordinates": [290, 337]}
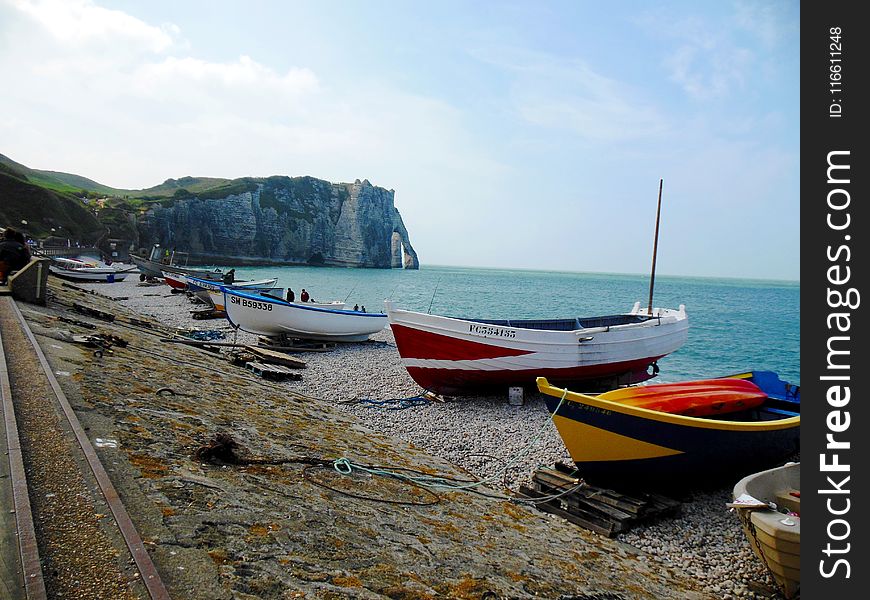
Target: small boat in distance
{"type": "Point", "coordinates": [774, 535]}
{"type": "Point", "coordinates": [458, 357]}
{"type": "Point", "coordinates": [157, 263]}
{"type": "Point", "coordinates": [212, 291]}
{"type": "Point", "coordinates": [79, 270]}
{"type": "Point", "coordinates": [271, 316]}
{"type": "Point", "coordinates": [611, 439]}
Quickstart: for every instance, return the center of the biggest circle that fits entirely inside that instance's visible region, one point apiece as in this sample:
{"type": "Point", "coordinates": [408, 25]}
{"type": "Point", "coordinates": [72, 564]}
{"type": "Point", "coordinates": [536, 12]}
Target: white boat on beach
{"type": "Point", "coordinates": [212, 291]}
{"type": "Point", "coordinates": [85, 271]}
{"type": "Point", "coordinates": [462, 356]}
{"type": "Point", "coordinates": [271, 316]}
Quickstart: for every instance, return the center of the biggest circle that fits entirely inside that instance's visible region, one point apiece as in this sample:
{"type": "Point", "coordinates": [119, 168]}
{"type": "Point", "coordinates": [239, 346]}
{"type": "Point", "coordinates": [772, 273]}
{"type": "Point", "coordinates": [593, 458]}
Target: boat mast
{"type": "Point", "coordinates": [652, 277]}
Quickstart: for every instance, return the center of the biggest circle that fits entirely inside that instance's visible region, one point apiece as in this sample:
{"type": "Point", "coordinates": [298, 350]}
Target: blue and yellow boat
{"type": "Point", "coordinates": [612, 439]}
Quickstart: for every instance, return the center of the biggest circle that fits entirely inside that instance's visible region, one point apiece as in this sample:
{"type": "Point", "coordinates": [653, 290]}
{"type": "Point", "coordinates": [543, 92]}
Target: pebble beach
{"type": "Point", "coordinates": [487, 436]}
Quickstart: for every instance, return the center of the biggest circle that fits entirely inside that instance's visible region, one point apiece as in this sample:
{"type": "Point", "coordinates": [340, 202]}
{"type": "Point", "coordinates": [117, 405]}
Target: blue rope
{"type": "Point", "coordinates": [396, 403]}
{"type": "Point", "coordinates": [207, 335]}
{"type": "Point", "coordinates": [346, 467]}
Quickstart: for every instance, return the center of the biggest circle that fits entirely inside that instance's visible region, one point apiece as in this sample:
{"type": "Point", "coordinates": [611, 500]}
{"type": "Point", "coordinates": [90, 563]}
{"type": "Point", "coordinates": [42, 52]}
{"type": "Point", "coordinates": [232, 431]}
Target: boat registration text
{"type": "Point", "coordinates": [489, 331]}
{"type": "Point", "coordinates": [251, 303]}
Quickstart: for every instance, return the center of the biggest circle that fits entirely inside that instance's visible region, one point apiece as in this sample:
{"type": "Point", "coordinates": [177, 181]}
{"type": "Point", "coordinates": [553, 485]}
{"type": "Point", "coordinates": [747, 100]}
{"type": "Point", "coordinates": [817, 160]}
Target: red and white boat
{"type": "Point", "coordinates": [463, 356]}
{"type": "Point", "coordinates": [176, 281]}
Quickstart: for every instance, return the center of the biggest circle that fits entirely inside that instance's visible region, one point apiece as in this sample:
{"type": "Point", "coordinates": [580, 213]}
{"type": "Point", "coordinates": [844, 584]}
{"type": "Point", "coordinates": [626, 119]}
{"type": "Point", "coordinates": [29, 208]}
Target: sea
{"type": "Point", "coordinates": [735, 325]}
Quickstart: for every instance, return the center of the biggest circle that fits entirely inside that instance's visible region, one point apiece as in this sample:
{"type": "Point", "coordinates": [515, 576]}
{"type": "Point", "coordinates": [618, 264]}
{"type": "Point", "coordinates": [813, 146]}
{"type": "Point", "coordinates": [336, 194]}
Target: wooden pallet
{"type": "Point", "coordinates": [208, 314]}
{"type": "Point", "coordinates": [275, 358]}
{"type": "Point", "coordinates": [603, 510]}
{"type": "Point", "coordinates": [288, 344]}
{"type": "Point", "coordinates": [273, 372]}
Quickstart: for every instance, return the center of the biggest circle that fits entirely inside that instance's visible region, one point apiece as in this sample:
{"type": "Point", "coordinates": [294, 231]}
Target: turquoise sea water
{"type": "Point", "coordinates": [734, 325]}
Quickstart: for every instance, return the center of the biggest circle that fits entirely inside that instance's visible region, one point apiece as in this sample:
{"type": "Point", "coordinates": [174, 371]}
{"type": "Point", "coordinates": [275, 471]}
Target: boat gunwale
{"type": "Point", "coordinates": [653, 415]}
{"type": "Point", "coordinates": [255, 284]}
{"type": "Point", "coordinates": [279, 302]}
{"type": "Point", "coordinates": [674, 318]}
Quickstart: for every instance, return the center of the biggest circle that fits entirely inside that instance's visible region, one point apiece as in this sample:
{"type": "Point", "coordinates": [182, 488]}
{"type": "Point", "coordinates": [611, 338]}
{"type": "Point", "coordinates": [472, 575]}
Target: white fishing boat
{"type": "Point", "coordinates": [212, 292]}
{"type": "Point", "coordinates": [85, 271]}
{"type": "Point", "coordinates": [455, 356]}
{"type": "Point", "coordinates": [271, 316]}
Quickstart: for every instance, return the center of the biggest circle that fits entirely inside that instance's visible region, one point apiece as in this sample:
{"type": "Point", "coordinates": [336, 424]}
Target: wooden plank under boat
{"type": "Point", "coordinates": [271, 316]}
{"type": "Point", "coordinates": [609, 440]}
{"type": "Point", "coordinates": [775, 537]}
{"type": "Point", "coordinates": [454, 356]}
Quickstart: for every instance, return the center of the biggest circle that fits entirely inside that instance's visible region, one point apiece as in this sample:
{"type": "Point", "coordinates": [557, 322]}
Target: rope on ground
{"type": "Point", "coordinates": [395, 403]}
{"type": "Point", "coordinates": [202, 335]}
{"type": "Point", "coordinates": [433, 497]}
{"type": "Point", "coordinates": [392, 403]}
{"type": "Point", "coordinates": [346, 467]}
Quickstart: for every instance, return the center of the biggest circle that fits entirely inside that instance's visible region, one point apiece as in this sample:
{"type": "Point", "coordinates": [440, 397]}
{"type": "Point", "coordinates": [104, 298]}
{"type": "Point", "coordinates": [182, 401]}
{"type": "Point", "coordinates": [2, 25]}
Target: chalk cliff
{"type": "Point", "coordinates": [285, 220]}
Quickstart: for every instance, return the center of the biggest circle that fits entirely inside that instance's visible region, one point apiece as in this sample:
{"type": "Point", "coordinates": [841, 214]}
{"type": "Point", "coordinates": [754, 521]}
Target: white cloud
{"type": "Point", "coordinates": [242, 73]}
{"type": "Point", "coordinates": [770, 22]}
{"type": "Point", "coordinates": [709, 69]}
{"type": "Point", "coordinates": [79, 23]}
{"type": "Point", "coordinates": [118, 82]}
{"type": "Point", "coordinates": [568, 94]}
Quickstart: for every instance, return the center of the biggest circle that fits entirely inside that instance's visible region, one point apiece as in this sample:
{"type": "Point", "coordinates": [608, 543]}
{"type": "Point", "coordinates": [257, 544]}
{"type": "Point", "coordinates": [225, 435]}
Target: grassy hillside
{"type": "Point", "coordinates": [45, 179]}
{"type": "Point", "coordinates": [43, 209]}
{"type": "Point", "coordinates": [76, 182]}
{"type": "Point", "coordinates": [167, 189]}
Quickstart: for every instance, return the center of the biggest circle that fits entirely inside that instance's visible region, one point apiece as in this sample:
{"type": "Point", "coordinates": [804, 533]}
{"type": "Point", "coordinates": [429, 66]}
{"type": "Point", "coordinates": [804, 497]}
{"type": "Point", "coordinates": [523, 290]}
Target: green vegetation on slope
{"type": "Point", "coordinates": [44, 209]}
{"type": "Point", "coordinates": [77, 183]}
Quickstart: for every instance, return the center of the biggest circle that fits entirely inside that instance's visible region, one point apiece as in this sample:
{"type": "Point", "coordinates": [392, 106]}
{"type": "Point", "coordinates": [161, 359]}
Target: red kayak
{"type": "Point", "coordinates": [702, 398]}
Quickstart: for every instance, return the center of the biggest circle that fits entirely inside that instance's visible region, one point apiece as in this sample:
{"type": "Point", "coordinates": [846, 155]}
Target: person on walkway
{"type": "Point", "coordinates": [291, 297]}
{"type": "Point", "coordinates": [229, 277]}
{"type": "Point", "coordinates": [13, 254]}
{"type": "Point", "coordinates": [304, 296]}
{"type": "Point", "coordinates": [19, 237]}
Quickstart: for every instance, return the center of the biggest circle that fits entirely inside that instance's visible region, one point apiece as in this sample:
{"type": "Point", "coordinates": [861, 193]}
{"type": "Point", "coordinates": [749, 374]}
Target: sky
{"type": "Point", "coordinates": [527, 134]}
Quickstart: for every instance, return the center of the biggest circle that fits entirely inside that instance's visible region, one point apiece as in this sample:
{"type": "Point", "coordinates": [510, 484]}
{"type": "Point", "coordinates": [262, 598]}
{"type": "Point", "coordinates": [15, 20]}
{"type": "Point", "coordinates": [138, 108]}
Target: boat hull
{"type": "Point", "coordinates": [266, 315]}
{"type": "Point", "coordinates": [175, 280]}
{"type": "Point", "coordinates": [151, 268]}
{"type": "Point", "coordinates": [774, 540]}
{"type": "Point", "coordinates": [610, 441]}
{"type": "Point", "coordinates": [462, 357]}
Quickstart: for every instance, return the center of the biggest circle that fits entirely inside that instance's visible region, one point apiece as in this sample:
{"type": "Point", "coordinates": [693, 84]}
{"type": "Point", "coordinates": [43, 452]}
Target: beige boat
{"type": "Point", "coordinates": [775, 536]}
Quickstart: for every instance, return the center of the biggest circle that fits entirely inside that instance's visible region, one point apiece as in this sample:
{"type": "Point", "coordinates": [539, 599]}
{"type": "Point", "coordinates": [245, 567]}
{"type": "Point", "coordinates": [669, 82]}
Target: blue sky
{"type": "Point", "coordinates": [515, 134]}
